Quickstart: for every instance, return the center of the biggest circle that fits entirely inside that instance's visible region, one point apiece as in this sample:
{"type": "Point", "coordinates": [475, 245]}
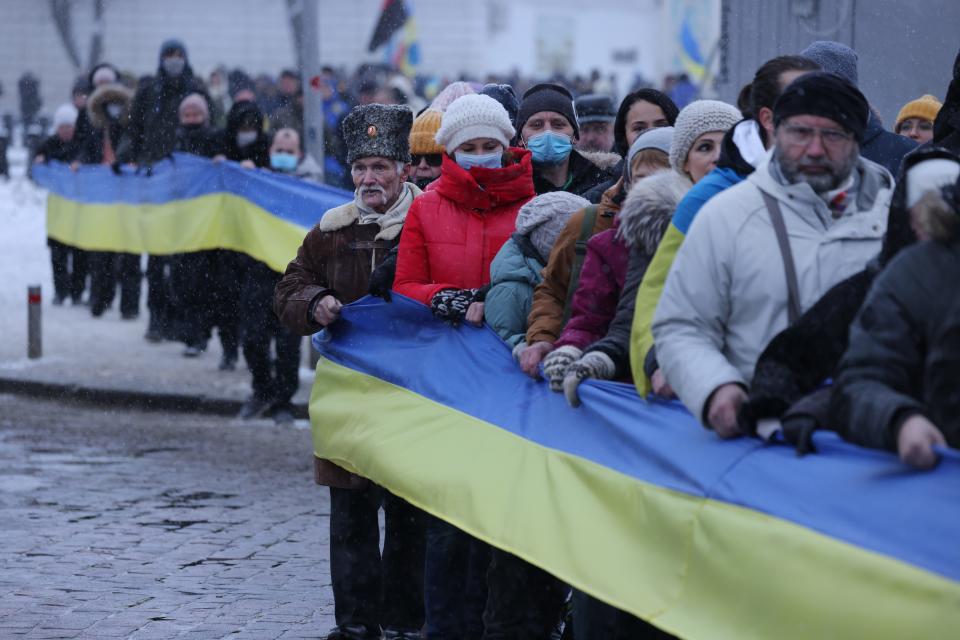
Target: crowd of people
{"type": "Point", "coordinates": [781, 265]}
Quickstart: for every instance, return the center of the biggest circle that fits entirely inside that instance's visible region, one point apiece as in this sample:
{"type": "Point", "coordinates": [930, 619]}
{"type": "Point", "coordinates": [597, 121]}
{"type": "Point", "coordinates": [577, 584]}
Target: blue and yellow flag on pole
{"type": "Point", "coordinates": [635, 503]}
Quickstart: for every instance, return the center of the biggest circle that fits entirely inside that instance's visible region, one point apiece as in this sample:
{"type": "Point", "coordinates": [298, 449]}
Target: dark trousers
{"type": "Point", "coordinates": [159, 299]}
{"type": "Point", "coordinates": [596, 620]}
{"type": "Point", "coordinates": [523, 601]}
{"type": "Point", "coordinates": [274, 379]}
{"type": "Point", "coordinates": [192, 280]}
{"type": "Point", "coordinates": [369, 588]}
{"type": "Point", "coordinates": [69, 270]}
{"type": "Point", "coordinates": [227, 273]}
{"type": "Point", "coordinates": [455, 582]}
{"type": "Point", "coordinates": [106, 269]}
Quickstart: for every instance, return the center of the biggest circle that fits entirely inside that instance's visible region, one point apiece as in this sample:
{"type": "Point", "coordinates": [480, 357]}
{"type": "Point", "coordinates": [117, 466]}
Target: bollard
{"type": "Point", "coordinates": [34, 336]}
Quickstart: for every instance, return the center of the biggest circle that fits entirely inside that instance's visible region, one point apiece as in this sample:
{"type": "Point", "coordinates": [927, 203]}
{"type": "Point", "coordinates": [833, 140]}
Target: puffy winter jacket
{"type": "Point", "coordinates": [883, 147]}
{"type": "Point", "coordinates": [726, 295]}
{"type": "Point", "coordinates": [595, 300]}
{"type": "Point", "coordinates": [453, 232]}
{"type": "Point", "coordinates": [513, 275]}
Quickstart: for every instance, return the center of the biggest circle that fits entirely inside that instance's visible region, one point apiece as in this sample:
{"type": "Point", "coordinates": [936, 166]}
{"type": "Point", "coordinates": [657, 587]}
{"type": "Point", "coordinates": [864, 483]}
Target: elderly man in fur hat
{"type": "Point", "coordinates": [333, 265]}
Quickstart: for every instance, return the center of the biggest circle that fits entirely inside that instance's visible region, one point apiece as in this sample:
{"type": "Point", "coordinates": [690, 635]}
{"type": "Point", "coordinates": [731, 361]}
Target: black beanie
{"type": "Point", "coordinates": [828, 96]}
{"type": "Point", "coordinates": [547, 97]}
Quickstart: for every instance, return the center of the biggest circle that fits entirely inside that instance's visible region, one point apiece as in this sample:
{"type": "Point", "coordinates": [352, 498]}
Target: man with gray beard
{"type": "Point", "coordinates": [762, 252]}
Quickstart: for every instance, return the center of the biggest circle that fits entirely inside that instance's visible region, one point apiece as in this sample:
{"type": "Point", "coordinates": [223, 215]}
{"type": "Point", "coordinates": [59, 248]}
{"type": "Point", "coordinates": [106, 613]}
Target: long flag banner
{"type": "Point", "coordinates": [185, 204]}
{"type": "Point", "coordinates": [635, 503]}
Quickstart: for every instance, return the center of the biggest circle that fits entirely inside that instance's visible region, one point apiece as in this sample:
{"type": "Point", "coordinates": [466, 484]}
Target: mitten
{"type": "Point", "coordinates": [451, 304]}
{"type": "Point", "coordinates": [595, 364]}
{"type": "Point", "coordinates": [557, 362]}
{"type": "Point", "coordinates": [381, 279]}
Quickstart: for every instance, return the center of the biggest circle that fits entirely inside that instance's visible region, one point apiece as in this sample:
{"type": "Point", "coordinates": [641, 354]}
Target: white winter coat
{"type": "Point", "coordinates": [726, 294]}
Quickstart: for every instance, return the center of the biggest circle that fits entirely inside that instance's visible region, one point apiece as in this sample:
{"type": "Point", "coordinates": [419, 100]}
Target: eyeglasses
{"type": "Point", "coordinates": [800, 135]}
{"type": "Point", "coordinates": [433, 159]}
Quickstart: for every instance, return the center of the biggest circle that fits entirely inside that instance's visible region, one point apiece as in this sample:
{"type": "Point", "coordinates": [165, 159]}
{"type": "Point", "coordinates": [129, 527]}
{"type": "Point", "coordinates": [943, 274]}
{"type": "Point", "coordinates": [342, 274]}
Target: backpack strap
{"type": "Point", "coordinates": [780, 228]}
{"type": "Point", "coordinates": [580, 252]}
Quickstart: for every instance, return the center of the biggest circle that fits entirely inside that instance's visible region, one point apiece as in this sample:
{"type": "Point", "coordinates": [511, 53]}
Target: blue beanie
{"type": "Point", "coordinates": [834, 57]}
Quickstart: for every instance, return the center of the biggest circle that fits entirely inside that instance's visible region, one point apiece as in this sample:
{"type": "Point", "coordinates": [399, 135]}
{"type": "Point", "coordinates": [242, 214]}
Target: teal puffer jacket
{"type": "Point", "coordinates": [514, 273]}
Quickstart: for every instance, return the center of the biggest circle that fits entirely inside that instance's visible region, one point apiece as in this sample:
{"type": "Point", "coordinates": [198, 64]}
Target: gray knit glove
{"type": "Point", "coordinates": [557, 362]}
{"type": "Point", "coordinates": [595, 364]}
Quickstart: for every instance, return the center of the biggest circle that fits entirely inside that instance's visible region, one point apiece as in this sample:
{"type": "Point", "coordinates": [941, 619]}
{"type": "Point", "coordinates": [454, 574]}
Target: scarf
{"type": "Point", "coordinates": [393, 216]}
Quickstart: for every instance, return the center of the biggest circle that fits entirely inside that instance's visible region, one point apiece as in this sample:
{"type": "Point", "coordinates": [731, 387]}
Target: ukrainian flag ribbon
{"type": "Point", "coordinates": [635, 503]}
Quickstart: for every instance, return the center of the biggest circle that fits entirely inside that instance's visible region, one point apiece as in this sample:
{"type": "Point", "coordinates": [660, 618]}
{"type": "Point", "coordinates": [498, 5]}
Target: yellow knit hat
{"type": "Point", "coordinates": [422, 134]}
{"type": "Point", "coordinates": [926, 108]}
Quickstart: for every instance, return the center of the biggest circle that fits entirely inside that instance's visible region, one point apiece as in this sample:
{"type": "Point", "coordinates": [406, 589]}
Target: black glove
{"type": "Point", "coordinates": [798, 430]}
{"type": "Point", "coordinates": [381, 280]}
{"type": "Point", "coordinates": [451, 304]}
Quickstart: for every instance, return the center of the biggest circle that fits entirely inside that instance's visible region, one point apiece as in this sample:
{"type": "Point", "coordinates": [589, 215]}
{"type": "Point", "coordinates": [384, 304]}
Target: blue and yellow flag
{"type": "Point", "coordinates": [187, 204]}
{"type": "Point", "coordinates": [635, 503]}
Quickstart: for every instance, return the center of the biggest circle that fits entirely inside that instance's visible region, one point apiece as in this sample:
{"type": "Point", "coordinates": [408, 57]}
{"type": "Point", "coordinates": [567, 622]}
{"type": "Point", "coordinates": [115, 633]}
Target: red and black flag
{"type": "Point", "coordinates": [392, 17]}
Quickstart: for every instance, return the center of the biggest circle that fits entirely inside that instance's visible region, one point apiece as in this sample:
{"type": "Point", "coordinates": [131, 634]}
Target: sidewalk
{"type": "Point", "coordinates": [107, 360]}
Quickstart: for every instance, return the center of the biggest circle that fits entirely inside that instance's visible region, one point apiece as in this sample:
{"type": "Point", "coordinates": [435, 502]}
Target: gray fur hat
{"type": "Point", "coordinates": [381, 130]}
{"type": "Point", "coordinates": [543, 218]}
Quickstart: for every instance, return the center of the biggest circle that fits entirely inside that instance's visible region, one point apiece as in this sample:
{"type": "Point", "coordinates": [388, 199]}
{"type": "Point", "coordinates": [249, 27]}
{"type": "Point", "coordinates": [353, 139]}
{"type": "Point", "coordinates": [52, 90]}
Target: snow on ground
{"type": "Point", "coordinates": [24, 257]}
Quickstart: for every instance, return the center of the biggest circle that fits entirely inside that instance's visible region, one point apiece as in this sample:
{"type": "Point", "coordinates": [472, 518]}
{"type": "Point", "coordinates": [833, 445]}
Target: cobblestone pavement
{"type": "Point", "coordinates": [155, 525]}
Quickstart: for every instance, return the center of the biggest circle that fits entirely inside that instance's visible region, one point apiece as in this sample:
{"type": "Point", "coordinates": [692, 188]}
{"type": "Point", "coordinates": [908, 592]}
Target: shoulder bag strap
{"type": "Point", "coordinates": [780, 228]}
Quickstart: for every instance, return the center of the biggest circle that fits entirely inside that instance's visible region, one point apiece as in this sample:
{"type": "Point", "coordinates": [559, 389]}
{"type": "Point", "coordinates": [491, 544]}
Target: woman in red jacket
{"type": "Point", "coordinates": [454, 230]}
{"type": "Point", "coordinates": [450, 237]}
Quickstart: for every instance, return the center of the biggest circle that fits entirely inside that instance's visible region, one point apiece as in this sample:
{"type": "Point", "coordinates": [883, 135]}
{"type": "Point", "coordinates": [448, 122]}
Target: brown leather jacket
{"type": "Point", "coordinates": [545, 321]}
{"type": "Point", "coordinates": [335, 258]}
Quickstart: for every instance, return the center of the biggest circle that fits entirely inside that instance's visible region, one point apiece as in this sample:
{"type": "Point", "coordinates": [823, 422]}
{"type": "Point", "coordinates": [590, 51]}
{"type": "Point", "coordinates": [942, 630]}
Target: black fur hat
{"type": "Point", "coordinates": [378, 130]}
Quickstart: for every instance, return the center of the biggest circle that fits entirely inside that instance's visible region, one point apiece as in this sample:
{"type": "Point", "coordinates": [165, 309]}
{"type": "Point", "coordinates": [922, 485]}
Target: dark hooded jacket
{"type": "Point", "coordinates": [92, 147]}
{"type": "Point", "coordinates": [904, 353]}
{"type": "Point", "coordinates": [245, 114]}
{"type": "Point", "coordinates": [154, 117]}
{"type": "Point", "coordinates": [884, 147]}
{"type": "Point", "coordinates": [800, 358]}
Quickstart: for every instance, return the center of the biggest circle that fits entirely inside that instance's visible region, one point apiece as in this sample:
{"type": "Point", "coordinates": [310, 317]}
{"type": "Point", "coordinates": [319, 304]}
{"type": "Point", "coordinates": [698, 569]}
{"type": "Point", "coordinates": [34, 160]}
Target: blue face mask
{"type": "Point", "coordinates": [487, 160]}
{"type": "Point", "coordinates": [550, 147]}
{"type": "Point", "coordinates": [283, 161]}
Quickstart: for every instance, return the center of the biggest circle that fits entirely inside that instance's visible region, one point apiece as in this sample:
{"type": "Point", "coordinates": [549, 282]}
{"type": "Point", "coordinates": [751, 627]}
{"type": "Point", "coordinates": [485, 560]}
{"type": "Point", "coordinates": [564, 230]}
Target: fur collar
{"type": "Point", "coordinates": [601, 159]}
{"type": "Point", "coordinates": [648, 208]}
{"type": "Point", "coordinates": [347, 214]}
{"type": "Point", "coordinates": [104, 94]}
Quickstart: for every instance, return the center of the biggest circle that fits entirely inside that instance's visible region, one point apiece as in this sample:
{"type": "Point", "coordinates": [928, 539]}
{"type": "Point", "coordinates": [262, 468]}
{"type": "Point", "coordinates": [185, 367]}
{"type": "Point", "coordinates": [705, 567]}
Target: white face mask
{"type": "Point", "coordinates": [114, 110]}
{"type": "Point", "coordinates": [246, 138]}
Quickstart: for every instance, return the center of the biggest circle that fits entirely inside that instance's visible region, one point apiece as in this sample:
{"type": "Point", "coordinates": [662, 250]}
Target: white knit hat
{"type": "Point", "coordinates": [930, 175]}
{"type": "Point", "coordinates": [474, 116]}
{"type": "Point", "coordinates": [543, 218]}
{"type": "Point", "coordinates": [65, 114]}
{"type": "Point", "coordinates": [696, 119]}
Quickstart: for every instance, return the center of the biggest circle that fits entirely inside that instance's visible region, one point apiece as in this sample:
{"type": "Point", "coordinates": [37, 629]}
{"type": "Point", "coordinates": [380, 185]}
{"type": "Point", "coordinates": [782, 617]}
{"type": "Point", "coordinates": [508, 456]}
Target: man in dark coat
{"type": "Point", "coordinates": [152, 133]}
{"type": "Point", "coordinates": [370, 590]}
{"type": "Point", "coordinates": [897, 384]}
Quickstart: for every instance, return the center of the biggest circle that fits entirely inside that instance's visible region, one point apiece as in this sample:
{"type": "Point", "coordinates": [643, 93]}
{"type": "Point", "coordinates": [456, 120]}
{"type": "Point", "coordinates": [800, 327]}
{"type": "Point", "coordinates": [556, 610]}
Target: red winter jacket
{"type": "Point", "coordinates": [453, 232]}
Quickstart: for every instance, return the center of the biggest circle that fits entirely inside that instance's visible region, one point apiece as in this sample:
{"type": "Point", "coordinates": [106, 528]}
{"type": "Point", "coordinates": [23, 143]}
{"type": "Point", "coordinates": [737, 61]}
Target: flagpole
{"type": "Point", "coordinates": [313, 120]}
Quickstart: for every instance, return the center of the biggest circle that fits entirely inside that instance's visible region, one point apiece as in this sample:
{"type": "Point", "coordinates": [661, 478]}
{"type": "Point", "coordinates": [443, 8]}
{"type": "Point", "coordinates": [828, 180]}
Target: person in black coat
{"type": "Point", "coordinates": [897, 384]}
{"type": "Point", "coordinates": [244, 141]}
{"type": "Point", "coordinates": [69, 263]}
{"type": "Point", "coordinates": [193, 291]}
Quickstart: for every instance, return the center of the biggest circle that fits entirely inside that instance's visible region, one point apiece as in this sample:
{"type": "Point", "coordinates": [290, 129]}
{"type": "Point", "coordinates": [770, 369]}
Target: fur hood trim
{"type": "Point", "coordinates": [348, 213]}
{"type": "Point", "coordinates": [648, 209]}
{"type": "Point", "coordinates": [602, 159]}
{"type": "Point", "coordinates": [104, 94]}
